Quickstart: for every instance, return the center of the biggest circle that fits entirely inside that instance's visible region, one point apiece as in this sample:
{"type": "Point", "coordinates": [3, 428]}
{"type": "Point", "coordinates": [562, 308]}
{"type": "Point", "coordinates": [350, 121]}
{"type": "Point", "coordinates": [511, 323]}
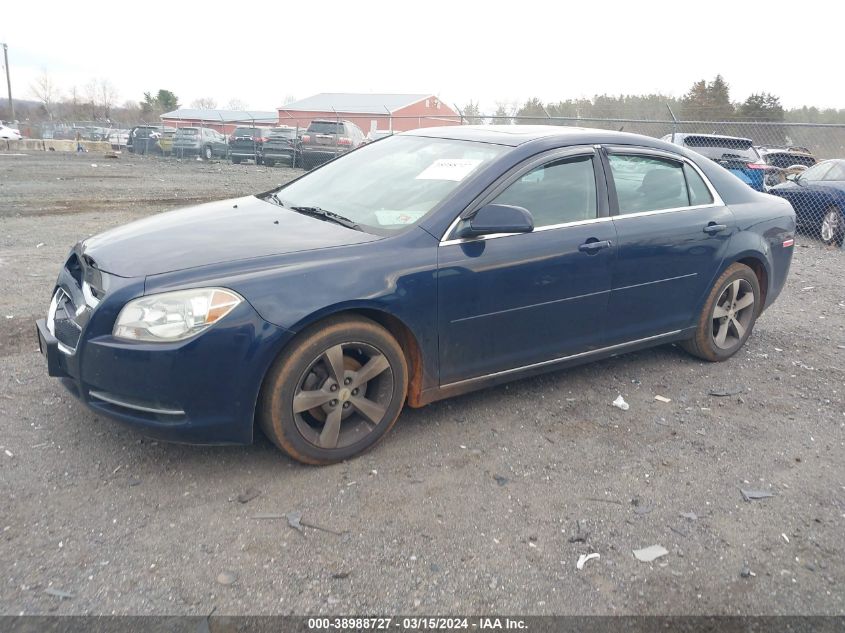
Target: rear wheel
{"type": "Point", "coordinates": [728, 316]}
{"type": "Point", "coordinates": [236, 160]}
{"type": "Point", "coordinates": [207, 152]}
{"type": "Point", "coordinates": [269, 162]}
{"type": "Point", "coordinates": [832, 228]}
{"type": "Point", "coordinates": [335, 393]}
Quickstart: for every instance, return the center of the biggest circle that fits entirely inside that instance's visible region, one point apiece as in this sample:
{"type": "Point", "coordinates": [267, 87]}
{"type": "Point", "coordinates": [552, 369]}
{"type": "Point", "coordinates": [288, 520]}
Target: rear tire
{"type": "Point", "coordinates": [269, 162]}
{"type": "Point", "coordinates": [236, 160]}
{"type": "Point", "coordinates": [335, 392]}
{"type": "Point", "coordinates": [832, 228]}
{"type": "Point", "coordinates": [207, 152]}
{"type": "Point", "coordinates": [728, 315]}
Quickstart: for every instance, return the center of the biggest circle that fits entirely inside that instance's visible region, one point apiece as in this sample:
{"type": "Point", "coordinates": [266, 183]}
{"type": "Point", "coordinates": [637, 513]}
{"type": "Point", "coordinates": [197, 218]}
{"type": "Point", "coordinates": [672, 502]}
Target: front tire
{"type": "Point", "coordinates": [832, 228]}
{"type": "Point", "coordinates": [728, 315]}
{"type": "Point", "coordinates": [207, 152]}
{"type": "Point", "coordinates": [236, 160]}
{"type": "Point", "coordinates": [335, 392]}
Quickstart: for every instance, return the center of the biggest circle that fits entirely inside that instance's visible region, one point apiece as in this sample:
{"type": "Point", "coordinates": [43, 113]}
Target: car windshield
{"type": "Point", "coordinates": [392, 184]}
{"type": "Point", "coordinates": [282, 133]}
{"type": "Point", "coordinates": [247, 131]}
{"type": "Point", "coordinates": [188, 131]}
{"type": "Point", "coordinates": [716, 147]}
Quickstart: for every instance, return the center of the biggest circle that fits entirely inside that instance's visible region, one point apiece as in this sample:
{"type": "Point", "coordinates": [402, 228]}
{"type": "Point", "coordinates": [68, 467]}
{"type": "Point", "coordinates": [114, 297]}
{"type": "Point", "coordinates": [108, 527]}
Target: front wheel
{"type": "Point", "coordinates": [832, 228]}
{"type": "Point", "coordinates": [335, 393]}
{"type": "Point", "coordinates": [208, 153]}
{"type": "Point", "coordinates": [728, 316]}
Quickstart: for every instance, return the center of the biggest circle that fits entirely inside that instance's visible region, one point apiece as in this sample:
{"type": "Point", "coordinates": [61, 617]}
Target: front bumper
{"type": "Point", "coordinates": [199, 391]}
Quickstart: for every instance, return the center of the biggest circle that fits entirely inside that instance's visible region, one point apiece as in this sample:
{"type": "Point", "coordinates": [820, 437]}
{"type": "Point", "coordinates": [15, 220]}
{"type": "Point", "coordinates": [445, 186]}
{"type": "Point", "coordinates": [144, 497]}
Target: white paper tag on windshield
{"type": "Point", "coordinates": [388, 218]}
{"type": "Point", "coordinates": [449, 169]}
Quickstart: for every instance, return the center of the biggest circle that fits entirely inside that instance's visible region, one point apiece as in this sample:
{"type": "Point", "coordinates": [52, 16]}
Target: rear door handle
{"type": "Point", "coordinates": [594, 247]}
{"type": "Point", "coordinates": [713, 228]}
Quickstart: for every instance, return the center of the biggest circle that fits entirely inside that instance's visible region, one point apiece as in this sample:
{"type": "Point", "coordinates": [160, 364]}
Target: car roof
{"type": "Point", "coordinates": [515, 135]}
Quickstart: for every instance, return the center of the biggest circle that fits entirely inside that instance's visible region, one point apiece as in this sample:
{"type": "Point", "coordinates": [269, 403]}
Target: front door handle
{"type": "Point", "coordinates": [595, 246]}
{"type": "Point", "coordinates": [713, 228]}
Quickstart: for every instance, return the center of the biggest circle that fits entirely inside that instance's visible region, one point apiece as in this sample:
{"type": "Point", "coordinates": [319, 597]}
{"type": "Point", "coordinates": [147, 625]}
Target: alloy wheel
{"type": "Point", "coordinates": [343, 396]}
{"type": "Point", "coordinates": [733, 314]}
{"type": "Point", "coordinates": [831, 226]}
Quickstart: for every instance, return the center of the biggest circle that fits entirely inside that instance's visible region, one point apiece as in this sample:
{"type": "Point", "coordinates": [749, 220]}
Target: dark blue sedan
{"type": "Point", "coordinates": [818, 197]}
{"type": "Point", "coordinates": [418, 267]}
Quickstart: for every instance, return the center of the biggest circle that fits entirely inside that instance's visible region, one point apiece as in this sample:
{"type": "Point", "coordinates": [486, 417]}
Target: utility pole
{"type": "Point", "coordinates": [8, 82]}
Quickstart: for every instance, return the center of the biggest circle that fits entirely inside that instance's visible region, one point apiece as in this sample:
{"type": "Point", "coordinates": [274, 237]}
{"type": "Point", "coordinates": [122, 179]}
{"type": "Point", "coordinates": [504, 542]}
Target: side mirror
{"type": "Point", "coordinates": [498, 218]}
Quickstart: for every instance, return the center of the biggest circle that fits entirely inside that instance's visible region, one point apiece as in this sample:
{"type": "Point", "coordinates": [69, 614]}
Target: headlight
{"type": "Point", "coordinates": [173, 316]}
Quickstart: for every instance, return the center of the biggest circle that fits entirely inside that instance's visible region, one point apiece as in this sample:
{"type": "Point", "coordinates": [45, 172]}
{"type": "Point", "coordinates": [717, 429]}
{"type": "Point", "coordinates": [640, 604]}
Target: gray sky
{"type": "Point", "coordinates": [259, 52]}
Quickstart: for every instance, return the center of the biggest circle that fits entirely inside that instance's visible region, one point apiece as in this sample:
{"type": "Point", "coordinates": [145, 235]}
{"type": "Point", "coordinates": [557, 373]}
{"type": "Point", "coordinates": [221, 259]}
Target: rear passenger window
{"type": "Point", "coordinates": [555, 193]}
{"type": "Point", "coordinates": [698, 191]}
{"type": "Point", "coordinates": [645, 183]}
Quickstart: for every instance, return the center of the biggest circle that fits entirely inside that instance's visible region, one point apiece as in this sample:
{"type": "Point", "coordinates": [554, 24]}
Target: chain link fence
{"type": "Point", "coordinates": [801, 162]}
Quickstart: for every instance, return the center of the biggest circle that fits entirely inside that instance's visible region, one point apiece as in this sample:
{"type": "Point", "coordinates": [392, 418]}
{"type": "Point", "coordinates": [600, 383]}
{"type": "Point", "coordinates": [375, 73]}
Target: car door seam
{"type": "Point", "coordinates": [528, 307]}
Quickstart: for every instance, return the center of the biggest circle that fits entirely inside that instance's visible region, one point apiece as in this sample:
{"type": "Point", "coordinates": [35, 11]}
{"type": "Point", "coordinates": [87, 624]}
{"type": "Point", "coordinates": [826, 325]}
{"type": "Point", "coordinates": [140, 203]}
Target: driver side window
{"type": "Point", "coordinates": [555, 193]}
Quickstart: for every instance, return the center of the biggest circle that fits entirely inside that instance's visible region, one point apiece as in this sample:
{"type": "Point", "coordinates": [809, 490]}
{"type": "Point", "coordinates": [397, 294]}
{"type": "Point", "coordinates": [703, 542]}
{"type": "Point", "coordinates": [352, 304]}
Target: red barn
{"type": "Point", "coordinates": [224, 121]}
{"type": "Point", "coordinates": [396, 112]}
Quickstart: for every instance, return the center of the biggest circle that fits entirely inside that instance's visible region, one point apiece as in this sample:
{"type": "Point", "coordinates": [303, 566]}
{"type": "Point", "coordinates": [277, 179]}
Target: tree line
{"type": "Point", "coordinates": [705, 101]}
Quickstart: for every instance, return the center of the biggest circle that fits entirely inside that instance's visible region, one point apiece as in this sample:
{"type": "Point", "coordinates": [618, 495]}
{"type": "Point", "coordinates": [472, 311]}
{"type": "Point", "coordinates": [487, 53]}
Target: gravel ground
{"type": "Point", "coordinates": [475, 505]}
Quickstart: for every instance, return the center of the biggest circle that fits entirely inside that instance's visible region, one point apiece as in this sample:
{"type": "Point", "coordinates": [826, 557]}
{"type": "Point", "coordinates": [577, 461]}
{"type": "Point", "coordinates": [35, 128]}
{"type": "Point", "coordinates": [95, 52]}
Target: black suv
{"type": "Point", "coordinates": [245, 143]}
{"type": "Point", "coordinates": [281, 145]}
{"type": "Point", "coordinates": [325, 139]}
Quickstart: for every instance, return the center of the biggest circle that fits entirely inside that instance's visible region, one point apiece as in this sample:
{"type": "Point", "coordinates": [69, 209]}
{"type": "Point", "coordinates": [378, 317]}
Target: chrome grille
{"type": "Point", "coordinates": [61, 321]}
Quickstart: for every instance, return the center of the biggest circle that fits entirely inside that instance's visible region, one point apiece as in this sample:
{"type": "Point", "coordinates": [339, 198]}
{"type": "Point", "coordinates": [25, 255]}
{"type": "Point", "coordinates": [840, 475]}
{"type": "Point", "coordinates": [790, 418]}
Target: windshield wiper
{"type": "Point", "coordinates": [328, 215]}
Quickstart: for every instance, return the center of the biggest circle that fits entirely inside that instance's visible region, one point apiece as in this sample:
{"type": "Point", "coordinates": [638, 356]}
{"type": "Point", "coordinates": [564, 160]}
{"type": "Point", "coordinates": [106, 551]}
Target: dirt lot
{"type": "Point", "coordinates": [470, 506]}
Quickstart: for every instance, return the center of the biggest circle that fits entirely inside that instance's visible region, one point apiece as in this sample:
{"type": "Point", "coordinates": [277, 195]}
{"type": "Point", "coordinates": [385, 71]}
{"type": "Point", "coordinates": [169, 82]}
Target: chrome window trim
{"type": "Point", "coordinates": [619, 149]}
{"type": "Point", "coordinates": [492, 236]}
{"type": "Point", "coordinates": [560, 359]}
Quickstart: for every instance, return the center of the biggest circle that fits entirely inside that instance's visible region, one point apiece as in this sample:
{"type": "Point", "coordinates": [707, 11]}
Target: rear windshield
{"type": "Point", "coordinates": [283, 133]}
{"type": "Point", "coordinates": [716, 147]}
{"type": "Point", "coordinates": [187, 131]}
{"type": "Point", "coordinates": [325, 127]}
{"type": "Point", "coordinates": [247, 131]}
{"type": "Point", "coordinates": [785, 159]}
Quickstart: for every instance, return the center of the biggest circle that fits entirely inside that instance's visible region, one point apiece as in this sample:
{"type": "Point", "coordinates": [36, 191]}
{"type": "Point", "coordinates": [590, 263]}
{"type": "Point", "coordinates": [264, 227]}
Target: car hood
{"type": "Point", "coordinates": [213, 233]}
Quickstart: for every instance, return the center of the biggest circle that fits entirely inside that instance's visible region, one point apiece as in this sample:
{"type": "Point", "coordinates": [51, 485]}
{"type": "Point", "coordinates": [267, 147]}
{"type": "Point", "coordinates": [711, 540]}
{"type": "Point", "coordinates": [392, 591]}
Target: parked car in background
{"type": "Point", "coordinates": [326, 139]}
{"type": "Point", "coordinates": [199, 141]}
{"type": "Point", "coordinates": [280, 146]}
{"type": "Point", "coordinates": [118, 138]}
{"type": "Point", "coordinates": [736, 154]}
{"type": "Point", "coordinates": [818, 197]}
{"type": "Point", "coordinates": [785, 161]}
{"type": "Point", "coordinates": [150, 139]}
{"type": "Point", "coordinates": [9, 134]}
{"type": "Point", "coordinates": [245, 143]}
{"type": "Point", "coordinates": [426, 265]}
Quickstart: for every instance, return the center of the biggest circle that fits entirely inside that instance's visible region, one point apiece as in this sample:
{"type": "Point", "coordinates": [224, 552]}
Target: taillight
{"type": "Point", "coordinates": [261, 139]}
{"type": "Point", "coordinates": [757, 166]}
{"type": "Point", "coordinates": [788, 243]}
{"type": "Point", "coordinates": [306, 138]}
{"type": "Point", "coordinates": [342, 140]}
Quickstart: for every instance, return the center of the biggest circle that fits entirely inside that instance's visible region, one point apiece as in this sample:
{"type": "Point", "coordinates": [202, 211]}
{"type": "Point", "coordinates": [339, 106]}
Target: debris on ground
{"type": "Point", "coordinates": [650, 553]}
{"type": "Point", "coordinates": [746, 572]}
{"type": "Point", "coordinates": [248, 495]}
{"type": "Point", "coordinates": [689, 516]}
{"type": "Point", "coordinates": [620, 403]}
{"type": "Point", "coordinates": [730, 391]}
{"type": "Point", "coordinates": [226, 577]}
{"type": "Point", "coordinates": [580, 537]}
{"type": "Point", "coordinates": [640, 507]}
{"type": "Point", "coordinates": [340, 575]}
{"type": "Point", "coordinates": [583, 558]}
{"type": "Point", "coordinates": [751, 495]}
{"type": "Point", "coordinates": [663, 399]}
{"type": "Point", "coordinates": [785, 537]}
{"type": "Point", "coordinates": [58, 593]}
{"type": "Point", "coordinates": [501, 480]}
{"type": "Point", "coordinates": [295, 521]}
